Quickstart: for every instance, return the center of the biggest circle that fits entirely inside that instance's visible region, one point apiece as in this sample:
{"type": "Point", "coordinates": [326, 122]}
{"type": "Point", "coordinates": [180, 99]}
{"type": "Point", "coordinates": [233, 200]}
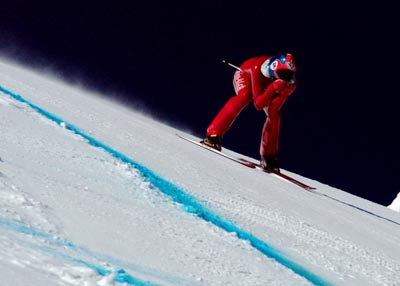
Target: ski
{"type": "Point", "coordinates": [244, 163]}
{"type": "Point", "coordinates": [281, 175]}
{"type": "Point", "coordinates": [249, 164]}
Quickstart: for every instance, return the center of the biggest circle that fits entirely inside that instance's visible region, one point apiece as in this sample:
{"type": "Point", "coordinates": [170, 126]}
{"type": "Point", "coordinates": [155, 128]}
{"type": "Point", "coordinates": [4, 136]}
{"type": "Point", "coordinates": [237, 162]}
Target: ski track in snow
{"type": "Point", "coordinates": [32, 227]}
{"type": "Point", "coordinates": [335, 250]}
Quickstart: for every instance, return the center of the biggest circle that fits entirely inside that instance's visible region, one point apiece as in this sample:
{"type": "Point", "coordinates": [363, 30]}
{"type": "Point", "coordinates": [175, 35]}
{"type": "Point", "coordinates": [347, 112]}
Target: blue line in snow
{"type": "Point", "coordinates": [191, 204]}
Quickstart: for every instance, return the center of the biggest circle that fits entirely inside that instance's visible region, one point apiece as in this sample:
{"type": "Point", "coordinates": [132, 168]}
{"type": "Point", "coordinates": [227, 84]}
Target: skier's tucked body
{"type": "Point", "coordinates": [268, 82]}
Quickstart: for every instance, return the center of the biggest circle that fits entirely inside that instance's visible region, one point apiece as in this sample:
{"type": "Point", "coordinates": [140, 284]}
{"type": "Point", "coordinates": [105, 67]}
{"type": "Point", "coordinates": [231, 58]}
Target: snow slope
{"type": "Point", "coordinates": [93, 192]}
{"type": "Point", "coordinates": [395, 205]}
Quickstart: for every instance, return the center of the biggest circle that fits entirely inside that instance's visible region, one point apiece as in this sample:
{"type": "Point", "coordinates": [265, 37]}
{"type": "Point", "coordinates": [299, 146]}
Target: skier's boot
{"type": "Point", "coordinates": [270, 163]}
{"type": "Point", "coordinates": [213, 141]}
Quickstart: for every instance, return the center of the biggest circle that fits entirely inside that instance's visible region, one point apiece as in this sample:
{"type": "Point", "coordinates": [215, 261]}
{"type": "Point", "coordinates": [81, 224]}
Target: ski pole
{"type": "Point", "coordinates": [232, 65]}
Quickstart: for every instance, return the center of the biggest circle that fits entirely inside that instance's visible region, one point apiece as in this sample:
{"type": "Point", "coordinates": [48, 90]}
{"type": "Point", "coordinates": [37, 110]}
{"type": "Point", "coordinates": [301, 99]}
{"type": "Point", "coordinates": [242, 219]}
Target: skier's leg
{"type": "Point", "coordinates": [227, 115]}
{"type": "Point", "coordinates": [270, 133]}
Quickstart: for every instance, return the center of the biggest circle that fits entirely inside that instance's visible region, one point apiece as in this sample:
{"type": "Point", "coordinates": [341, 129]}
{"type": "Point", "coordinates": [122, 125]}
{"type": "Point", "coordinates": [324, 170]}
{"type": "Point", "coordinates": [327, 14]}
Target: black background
{"type": "Point", "coordinates": [339, 127]}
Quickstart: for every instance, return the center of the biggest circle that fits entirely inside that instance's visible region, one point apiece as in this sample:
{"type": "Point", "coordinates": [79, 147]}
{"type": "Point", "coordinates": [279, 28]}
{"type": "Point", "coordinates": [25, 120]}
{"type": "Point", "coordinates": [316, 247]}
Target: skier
{"type": "Point", "coordinates": [267, 81]}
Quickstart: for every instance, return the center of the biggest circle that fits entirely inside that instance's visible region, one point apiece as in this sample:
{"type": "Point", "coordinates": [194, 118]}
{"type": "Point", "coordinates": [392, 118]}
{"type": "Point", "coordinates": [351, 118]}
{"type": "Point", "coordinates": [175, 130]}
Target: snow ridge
{"type": "Point", "coordinates": [189, 203]}
{"type": "Point", "coordinates": [48, 242]}
{"type": "Point", "coordinates": [118, 275]}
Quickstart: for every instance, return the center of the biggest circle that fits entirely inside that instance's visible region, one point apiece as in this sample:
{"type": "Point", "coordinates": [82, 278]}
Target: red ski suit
{"type": "Point", "coordinates": [268, 94]}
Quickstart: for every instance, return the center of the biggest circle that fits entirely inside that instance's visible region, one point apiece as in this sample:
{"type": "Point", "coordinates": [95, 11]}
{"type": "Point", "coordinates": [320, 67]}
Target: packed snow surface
{"type": "Point", "coordinates": [93, 192]}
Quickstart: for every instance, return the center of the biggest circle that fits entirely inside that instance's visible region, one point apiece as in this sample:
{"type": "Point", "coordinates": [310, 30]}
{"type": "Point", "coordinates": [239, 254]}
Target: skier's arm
{"type": "Point", "coordinates": [277, 87]}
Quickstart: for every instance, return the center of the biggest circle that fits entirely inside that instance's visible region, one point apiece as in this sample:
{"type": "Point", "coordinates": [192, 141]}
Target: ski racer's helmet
{"type": "Point", "coordinates": [281, 66]}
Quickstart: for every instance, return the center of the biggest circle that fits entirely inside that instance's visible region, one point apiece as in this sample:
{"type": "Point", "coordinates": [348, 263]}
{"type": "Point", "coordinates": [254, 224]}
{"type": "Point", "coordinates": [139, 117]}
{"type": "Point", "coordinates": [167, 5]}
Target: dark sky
{"type": "Point", "coordinates": [339, 127]}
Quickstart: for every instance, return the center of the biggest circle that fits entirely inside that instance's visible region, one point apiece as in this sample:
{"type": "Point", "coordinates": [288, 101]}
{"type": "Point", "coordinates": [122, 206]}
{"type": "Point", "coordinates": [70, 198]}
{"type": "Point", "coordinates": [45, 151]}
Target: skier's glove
{"type": "Point", "coordinates": [281, 86]}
